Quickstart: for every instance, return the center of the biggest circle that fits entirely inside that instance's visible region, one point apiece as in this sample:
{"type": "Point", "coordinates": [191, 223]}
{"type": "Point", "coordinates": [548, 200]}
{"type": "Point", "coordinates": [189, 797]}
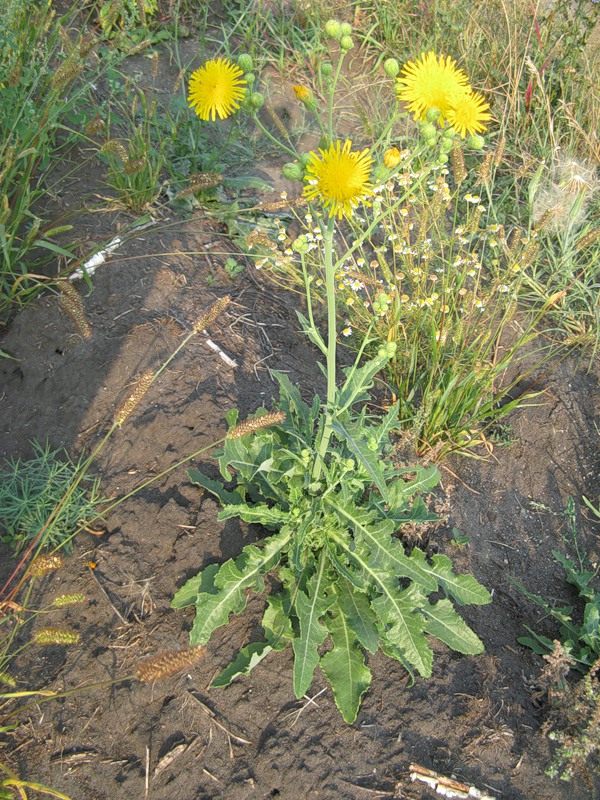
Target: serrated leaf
{"type": "Point", "coordinates": [445, 624]}
{"type": "Point", "coordinates": [258, 513]}
{"type": "Point", "coordinates": [352, 434]}
{"type": "Point", "coordinates": [464, 589]}
{"type": "Point", "coordinates": [215, 487]}
{"type": "Point", "coordinates": [231, 582]}
{"type": "Point", "coordinates": [385, 551]}
{"type": "Point", "coordinates": [309, 610]}
{"type": "Point", "coordinates": [204, 581]}
{"type": "Point", "coordinates": [344, 667]}
{"type": "Point", "coordinates": [243, 663]}
{"type": "Point", "coordinates": [357, 610]}
{"type": "Point", "coordinates": [404, 626]}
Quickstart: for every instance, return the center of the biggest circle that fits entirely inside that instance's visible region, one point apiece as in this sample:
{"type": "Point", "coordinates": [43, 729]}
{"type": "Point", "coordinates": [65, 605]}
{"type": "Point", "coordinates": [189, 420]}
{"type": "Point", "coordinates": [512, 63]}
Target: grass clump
{"type": "Point", "coordinates": [31, 491]}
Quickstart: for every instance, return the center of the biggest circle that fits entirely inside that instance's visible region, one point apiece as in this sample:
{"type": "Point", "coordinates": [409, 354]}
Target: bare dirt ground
{"type": "Point", "coordinates": [180, 740]}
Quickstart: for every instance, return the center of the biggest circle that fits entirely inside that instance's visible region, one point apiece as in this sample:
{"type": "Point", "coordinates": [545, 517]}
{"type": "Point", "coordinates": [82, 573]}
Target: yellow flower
{"type": "Point", "coordinates": [215, 89]}
{"type": "Point", "coordinates": [301, 92]}
{"type": "Point", "coordinates": [467, 113]}
{"type": "Point", "coordinates": [430, 82]}
{"type": "Point", "coordinates": [339, 178]}
{"type": "Point", "coordinates": [392, 157]}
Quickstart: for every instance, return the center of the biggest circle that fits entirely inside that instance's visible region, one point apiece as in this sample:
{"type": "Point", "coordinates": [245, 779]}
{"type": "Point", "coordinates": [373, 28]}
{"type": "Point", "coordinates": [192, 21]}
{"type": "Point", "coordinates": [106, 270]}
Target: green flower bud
{"type": "Point", "coordinates": [372, 444]}
{"type": "Point", "coordinates": [433, 114]}
{"type": "Point", "coordinates": [346, 28]}
{"type": "Point", "coordinates": [333, 29]}
{"type": "Point", "coordinates": [304, 159]}
{"type": "Point", "coordinates": [326, 69]}
{"type": "Point", "coordinates": [300, 245]}
{"type": "Point", "coordinates": [390, 349]}
{"type": "Point", "coordinates": [292, 171]}
{"type": "Point", "coordinates": [257, 101]}
{"type": "Point", "coordinates": [346, 43]}
{"type": "Point", "coordinates": [476, 142]}
{"type": "Point", "coordinates": [446, 145]}
{"type": "Point", "coordinates": [250, 78]}
{"type": "Point", "coordinates": [245, 62]}
{"type": "Point", "coordinates": [391, 67]}
{"type": "Point", "coordinates": [428, 131]}
{"type": "Point", "coordinates": [349, 464]}
{"type": "Point", "coordinates": [449, 133]}
{"type": "Point", "coordinates": [442, 160]}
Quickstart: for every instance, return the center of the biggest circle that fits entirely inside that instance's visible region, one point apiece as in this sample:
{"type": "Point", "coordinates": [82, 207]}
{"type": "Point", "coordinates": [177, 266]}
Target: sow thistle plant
{"type": "Point", "coordinates": [319, 476]}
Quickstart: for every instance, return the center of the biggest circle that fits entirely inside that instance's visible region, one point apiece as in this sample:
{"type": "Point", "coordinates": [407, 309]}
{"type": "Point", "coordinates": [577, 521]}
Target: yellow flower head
{"type": "Point", "coordinates": [430, 82]}
{"type": "Point", "coordinates": [467, 113]}
{"type": "Point", "coordinates": [301, 92]}
{"type": "Point", "coordinates": [392, 157]}
{"type": "Point", "coordinates": [216, 88]}
{"type": "Point", "coordinates": [338, 178]}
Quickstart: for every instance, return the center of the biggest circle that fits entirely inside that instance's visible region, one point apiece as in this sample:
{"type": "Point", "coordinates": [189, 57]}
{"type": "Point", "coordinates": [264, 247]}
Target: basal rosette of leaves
{"type": "Point", "coordinates": [347, 585]}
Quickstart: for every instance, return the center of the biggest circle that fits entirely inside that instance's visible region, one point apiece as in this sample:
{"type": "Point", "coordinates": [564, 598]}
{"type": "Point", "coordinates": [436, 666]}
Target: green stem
{"type": "Point", "coordinates": [270, 136]}
{"type": "Point", "coordinates": [332, 94]}
{"type": "Point", "coordinates": [331, 346]}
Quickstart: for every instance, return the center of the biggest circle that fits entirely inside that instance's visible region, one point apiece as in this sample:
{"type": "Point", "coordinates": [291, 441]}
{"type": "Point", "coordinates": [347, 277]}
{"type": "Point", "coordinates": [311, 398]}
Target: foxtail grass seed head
{"type": "Point", "coordinates": [164, 665]}
{"type": "Point", "coordinates": [126, 409]}
{"type": "Point", "coordinates": [51, 635]}
{"type": "Point", "coordinates": [459, 170]}
{"type": "Point", "coordinates": [485, 169]}
{"type": "Point", "coordinates": [499, 152]}
{"type": "Point", "coordinates": [44, 564]}
{"type": "Point", "coordinates": [277, 121]}
{"type": "Point", "coordinates": [66, 74]}
{"type": "Point", "coordinates": [113, 146]}
{"type": "Point", "coordinates": [588, 239]}
{"type": "Point", "coordinates": [133, 165]}
{"type": "Point", "coordinates": [544, 220]}
{"type": "Point", "coordinates": [256, 424]}
{"type": "Point", "coordinates": [71, 302]}
{"type": "Point", "coordinates": [529, 254]}
{"type": "Point", "coordinates": [67, 600]}
{"type": "Point", "coordinates": [211, 314]}
{"type": "Point", "coordinates": [201, 182]}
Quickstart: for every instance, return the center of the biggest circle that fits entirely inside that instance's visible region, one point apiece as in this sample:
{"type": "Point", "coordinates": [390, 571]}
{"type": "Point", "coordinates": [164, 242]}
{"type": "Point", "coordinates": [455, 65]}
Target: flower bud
{"type": "Point", "coordinates": [245, 62]}
{"type": "Point", "coordinates": [250, 79]}
{"type": "Point", "coordinates": [391, 67]}
{"type": "Point", "coordinates": [292, 171]}
{"type": "Point", "coordinates": [428, 131]}
{"type": "Point", "coordinates": [346, 43]}
{"type": "Point", "coordinates": [326, 69]}
{"type": "Point", "coordinates": [257, 101]}
{"type": "Point", "coordinates": [300, 245]}
{"type": "Point", "coordinates": [346, 29]}
{"type": "Point", "coordinates": [476, 142]}
{"type": "Point", "coordinates": [333, 29]}
{"type": "Point", "coordinates": [433, 114]}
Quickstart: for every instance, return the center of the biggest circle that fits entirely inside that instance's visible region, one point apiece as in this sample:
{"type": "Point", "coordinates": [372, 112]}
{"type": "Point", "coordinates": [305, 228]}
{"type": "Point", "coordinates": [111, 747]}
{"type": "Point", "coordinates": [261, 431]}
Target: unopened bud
{"type": "Point", "coordinates": [333, 29]}
{"type": "Point", "coordinates": [391, 67]}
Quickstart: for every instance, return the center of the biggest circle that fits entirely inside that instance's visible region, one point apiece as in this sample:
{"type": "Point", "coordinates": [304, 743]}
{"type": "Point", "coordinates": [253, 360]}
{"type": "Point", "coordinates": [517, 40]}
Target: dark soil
{"type": "Point", "coordinates": [179, 740]}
